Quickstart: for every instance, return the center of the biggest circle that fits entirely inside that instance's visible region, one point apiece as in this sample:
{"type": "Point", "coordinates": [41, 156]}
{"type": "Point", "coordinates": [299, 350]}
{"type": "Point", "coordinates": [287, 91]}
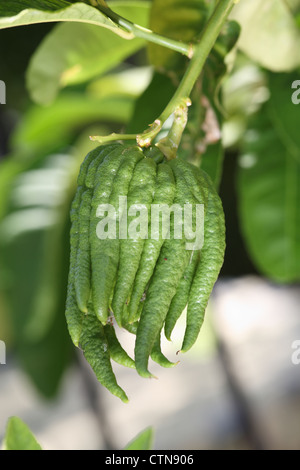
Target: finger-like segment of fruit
{"type": "Point", "coordinates": [73, 314]}
{"type": "Point", "coordinates": [120, 187]}
{"type": "Point", "coordinates": [162, 288]}
{"type": "Point", "coordinates": [103, 254]}
{"type": "Point", "coordinates": [83, 263]}
{"type": "Point", "coordinates": [85, 165]}
{"type": "Point", "coordinates": [131, 327]}
{"type": "Point", "coordinates": [140, 196]}
{"type": "Point", "coordinates": [158, 356]}
{"type": "Point", "coordinates": [164, 197]}
{"type": "Point", "coordinates": [94, 164]}
{"type": "Point", "coordinates": [116, 351]}
{"type": "Point", "coordinates": [195, 179]}
{"type": "Point", "coordinates": [211, 261]}
{"type": "Point", "coordinates": [95, 348]}
{"type": "Point", "coordinates": [181, 297]}
{"type": "Point", "coordinates": [169, 269]}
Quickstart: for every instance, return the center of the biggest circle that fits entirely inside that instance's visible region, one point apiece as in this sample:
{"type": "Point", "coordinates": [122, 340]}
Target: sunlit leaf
{"type": "Point", "coordinates": [73, 53]}
{"type": "Point", "coordinates": [178, 20]}
{"type": "Point", "coordinates": [151, 102]}
{"type": "Point", "coordinates": [269, 185]}
{"type": "Point", "coordinates": [20, 13]}
{"type": "Point", "coordinates": [62, 120]}
{"type": "Point", "coordinates": [34, 247]}
{"type": "Point", "coordinates": [269, 34]}
{"type": "Point", "coordinates": [142, 441]}
{"type": "Point", "coordinates": [19, 437]}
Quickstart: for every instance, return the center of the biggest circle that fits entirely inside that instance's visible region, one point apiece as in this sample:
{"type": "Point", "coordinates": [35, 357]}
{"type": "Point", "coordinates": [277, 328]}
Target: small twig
{"type": "Point", "coordinates": [144, 33]}
{"type": "Point", "coordinates": [169, 145]}
{"type": "Point", "coordinates": [112, 137]}
{"type": "Point", "coordinates": [145, 138]}
{"type": "Point", "coordinates": [201, 52]}
{"type": "Point", "coordinates": [199, 55]}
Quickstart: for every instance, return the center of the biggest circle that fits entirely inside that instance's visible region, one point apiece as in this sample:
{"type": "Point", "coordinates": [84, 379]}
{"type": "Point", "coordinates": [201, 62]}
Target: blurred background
{"type": "Point", "coordinates": [239, 387]}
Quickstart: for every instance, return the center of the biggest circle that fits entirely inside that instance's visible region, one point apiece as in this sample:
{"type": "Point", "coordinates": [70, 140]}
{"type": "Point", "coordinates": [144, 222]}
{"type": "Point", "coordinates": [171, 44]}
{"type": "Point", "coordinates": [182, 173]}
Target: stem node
{"type": "Point", "coordinates": [180, 101]}
{"type": "Point", "coordinates": [169, 145]}
{"type": "Point", "coordinates": [145, 139]}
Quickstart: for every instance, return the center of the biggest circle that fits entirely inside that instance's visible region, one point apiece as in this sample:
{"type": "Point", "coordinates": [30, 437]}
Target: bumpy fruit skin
{"type": "Point", "coordinates": [140, 192]}
{"type": "Point", "coordinates": [73, 313]}
{"type": "Point", "coordinates": [164, 193]}
{"type": "Point", "coordinates": [207, 272]}
{"type": "Point", "coordinates": [96, 350]}
{"type": "Point", "coordinates": [142, 283]}
{"type": "Point", "coordinates": [181, 297]}
{"type": "Point", "coordinates": [117, 353]}
{"type": "Point", "coordinates": [83, 264]}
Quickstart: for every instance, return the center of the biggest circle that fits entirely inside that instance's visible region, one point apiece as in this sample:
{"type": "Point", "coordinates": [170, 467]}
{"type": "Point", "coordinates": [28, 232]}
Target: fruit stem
{"type": "Point", "coordinates": [201, 52]}
{"type": "Point", "coordinates": [112, 137]}
{"type": "Point", "coordinates": [169, 145]}
{"type": "Point", "coordinates": [144, 33]}
{"type": "Point", "coordinates": [180, 101]}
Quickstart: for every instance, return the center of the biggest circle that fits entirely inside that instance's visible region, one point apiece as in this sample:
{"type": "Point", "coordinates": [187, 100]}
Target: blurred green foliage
{"type": "Point", "coordinates": [18, 436]}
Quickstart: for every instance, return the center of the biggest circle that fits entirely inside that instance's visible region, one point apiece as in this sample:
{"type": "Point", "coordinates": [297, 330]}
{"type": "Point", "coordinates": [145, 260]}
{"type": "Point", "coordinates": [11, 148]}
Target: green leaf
{"type": "Point", "coordinates": [151, 102]}
{"type": "Point", "coordinates": [23, 13]}
{"type": "Point", "coordinates": [19, 437]}
{"type": "Point", "coordinates": [284, 113]}
{"type": "Point", "coordinates": [131, 82]}
{"type": "Point", "coordinates": [74, 53]}
{"type": "Point", "coordinates": [269, 185]}
{"type": "Point", "coordinates": [178, 20]}
{"type": "Point", "coordinates": [212, 162]}
{"type": "Point", "coordinates": [143, 441]}
{"type": "Point", "coordinates": [62, 120]}
{"type": "Point", "coordinates": [34, 248]}
{"type": "Point", "coordinates": [243, 94]}
{"type": "Point", "coordinates": [14, 7]}
{"type": "Point", "coordinates": [269, 34]}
